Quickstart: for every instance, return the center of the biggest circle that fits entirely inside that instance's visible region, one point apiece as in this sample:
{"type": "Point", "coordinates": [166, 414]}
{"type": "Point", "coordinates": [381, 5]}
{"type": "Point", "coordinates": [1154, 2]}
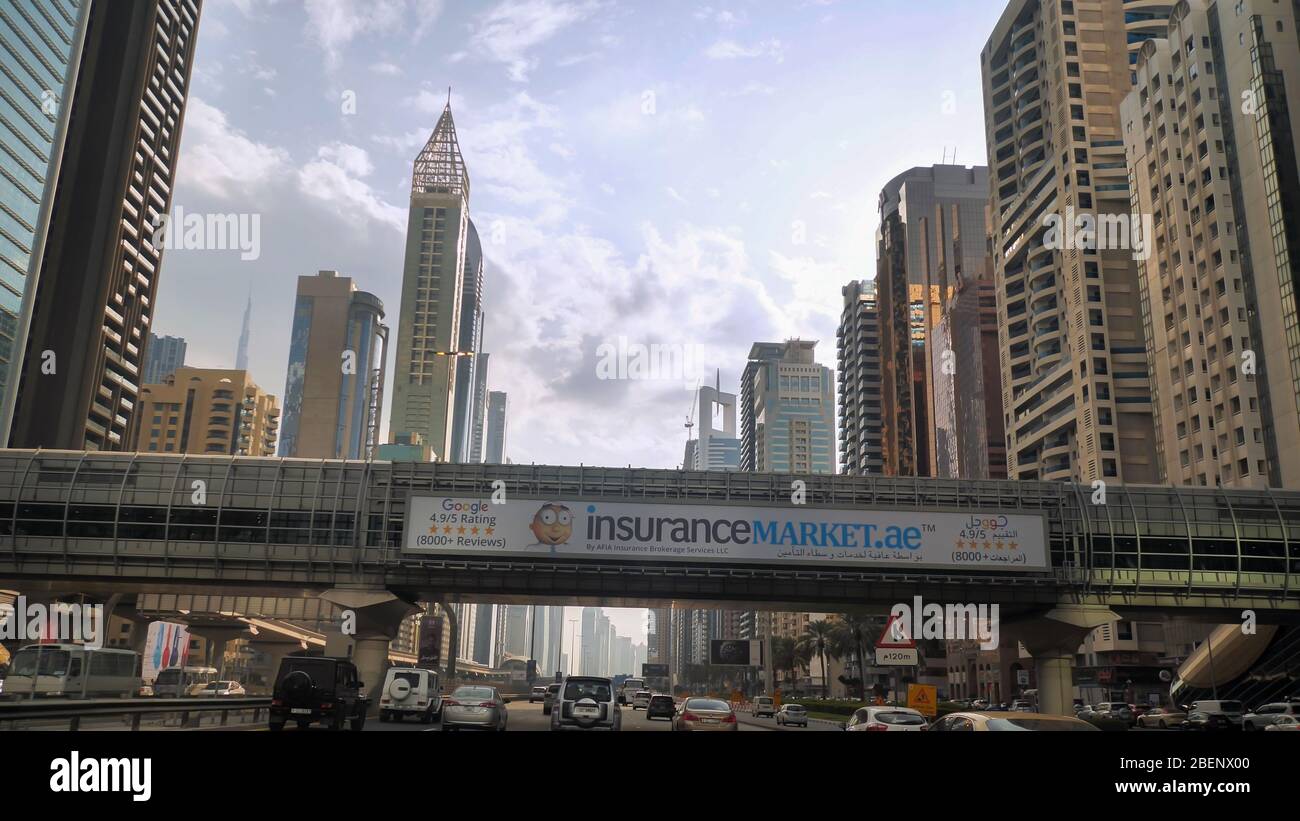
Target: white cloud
{"type": "Point", "coordinates": [731, 50]}
{"type": "Point", "coordinates": [334, 178]}
{"type": "Point", "coordinates": [385, 68]}
{"type": "Point", "coordinates": [333, 24]}
{"type": "Point", "coordinates": [508, 32]}
{"type": "Point", "coordinates": [222, 160]}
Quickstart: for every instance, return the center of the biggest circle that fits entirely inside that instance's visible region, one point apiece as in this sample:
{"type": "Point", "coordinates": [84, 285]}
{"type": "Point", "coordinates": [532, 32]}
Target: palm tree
{"type": "Point", "coordinates": [853, 634]}
{"type": "Point", "coordinates": [800, 658]}
{"type": "Point", "coordinates": [817, 638]}
{"type": "Point", "coordinates": [783, 657]}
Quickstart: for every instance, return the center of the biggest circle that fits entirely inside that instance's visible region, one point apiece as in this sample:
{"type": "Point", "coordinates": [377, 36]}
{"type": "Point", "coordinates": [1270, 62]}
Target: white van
{"type": "Point", "coordinates": [1232, 710]}
{"type": "Point", "coordinates": [764, 706]}
{"type": "Point", "coordinates": [410, 691]}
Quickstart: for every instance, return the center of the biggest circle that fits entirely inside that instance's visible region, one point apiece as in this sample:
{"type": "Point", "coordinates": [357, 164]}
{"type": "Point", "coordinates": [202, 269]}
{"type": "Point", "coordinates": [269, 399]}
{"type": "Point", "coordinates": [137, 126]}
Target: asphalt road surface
{"type": "Point", "coordinates": [525, 717]}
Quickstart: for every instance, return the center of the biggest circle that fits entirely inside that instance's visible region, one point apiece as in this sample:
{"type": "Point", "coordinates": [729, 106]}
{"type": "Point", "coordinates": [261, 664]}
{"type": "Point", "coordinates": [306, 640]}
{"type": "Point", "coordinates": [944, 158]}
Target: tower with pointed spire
{"type": "Point", "coordinates": [438, 239]}
{"type": "Point", "coordinates": [241, 355]}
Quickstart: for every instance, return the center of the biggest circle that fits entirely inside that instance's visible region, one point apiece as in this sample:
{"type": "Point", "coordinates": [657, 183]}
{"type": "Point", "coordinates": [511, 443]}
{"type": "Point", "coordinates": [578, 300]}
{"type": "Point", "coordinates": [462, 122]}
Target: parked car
{"type": "Point", "coordinates": [1232, 710]}
{"type": "Point", "coordinates": [1266, 715]}
{"type": "Point", "coordinates": [1009, 722]}
{"type": "Point", "coordinates": [586, 703]}
{"type": "Point", "coordinates": [661, 706]}
{"type": "Point", "coordinates": [475, 707]}
{"type": "Point", "coordinates": [1208, 722]}
{"type": "Point", "coordinates": [792, 714]}
{"type": "Point", "coordinates": [886, 719]}
{"type": "Point", "coordinates": [763, 706]}
{"type": "Point", "coordinates": [318, 690]}
{"type": "Point", "coordinates": [701, 714]}
{"type": "Point", "coordinates": [1021, 706]}
{"type": "Point", "coordinates": [537, 694]}
{"type": "Point", "coordinates": [223, 689]}
{"type": "Point", "coordinates": [1118, 710]}
{"type": "Point", "coordinates": [641, 700]}
{"type": "Point", "coordinates": [1164, 718]}
{"type": "Point", "coordinates": [1286, 724]}
{"type": "Point", "coordinates": [548, 701]}
{"type": "Point", "coordinates": [410, 691]}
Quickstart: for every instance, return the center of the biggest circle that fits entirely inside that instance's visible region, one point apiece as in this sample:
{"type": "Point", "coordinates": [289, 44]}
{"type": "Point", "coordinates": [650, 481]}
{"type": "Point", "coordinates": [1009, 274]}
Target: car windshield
{"type": "Point", "coordinates": [1038, 724]}
{"type": "Point", "coordinates": [640, 693]}
{"type": "Point", "coordinates": [661, 700]}
{"type": "Point", "coordinates": [412, 679]}
{"type": "Point", "coordinates": [554, 688]}
{"type": "Point", "coordinates": [539, 689]}
{"type": "Point", "coordinates": [794, 708]}
{"type": "Point", "coordinates": [900, 718]}
{"type": "Point", "coordinates": [1230, 706]}
{"type": "Point", "coordinates": [708, 704]}
{"type": "Point", "coordinates": [321, 671]}
{"type": "Point", "coordinates": [592, 689]}
{"type": "Point", "coordinates": [469, 693]}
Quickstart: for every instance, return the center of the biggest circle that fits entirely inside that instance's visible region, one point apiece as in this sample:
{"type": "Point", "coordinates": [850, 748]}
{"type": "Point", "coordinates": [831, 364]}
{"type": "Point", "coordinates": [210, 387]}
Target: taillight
{"type": "Point", "coordinates": [488, 704]}
{"type": "Point", "coordinates": [877, 728]}
{"type": "Point", "coordinates": [275, 702]}
{"type": "Point", "coordinates": [327, 706]}
{"type": "Point", "coordinates": [731, 719]}
{"type": "Point", "coordinates": [450, 702]}
{"type": "Point", "coordinates": [689, 717]}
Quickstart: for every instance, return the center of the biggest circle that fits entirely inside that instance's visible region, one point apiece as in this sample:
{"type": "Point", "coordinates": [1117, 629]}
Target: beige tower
{"type": "Point", "coordinates": [201, 410]}
{"type": "Point", "coordinates": [1076, 399]}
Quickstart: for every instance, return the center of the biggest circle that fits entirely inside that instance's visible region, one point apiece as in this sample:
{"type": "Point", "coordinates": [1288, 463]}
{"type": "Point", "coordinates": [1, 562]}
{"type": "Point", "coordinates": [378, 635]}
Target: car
{"type": "Point", "coordinates": [549, 699]}
{"type": "Point", "coordinates": [537, 694]}
{"type": "Point", "coordinates": [586, 703]}
{"type": "Point", "coordinates": [763, 706]}
{"type": "Point", "coordinates": [1164, 718]}
{"type": "Point", "coordinates": [223, 689]}
{"type": "Point", "coordinates": [410, 691]}
{"type": "Point", "coordinates": [1287, 724]}
{"type": "Point", "coordinates": [1232, 710]}
{"type": "Point", "coordinates": [1118, 710]}
{"type": "Point", "coordinates": [641, 700]}
{"type": "Point", "coordinates": [792, 714]}
{"type": "Point", "coordinates": [145, 691]}
{"type": "Point", "coordinates": [1021, 706]}
{"type": "Point", "coordinates": [703, 714]}
{"type": "Point", "coordinates": [1009, 722]}
{"type": "Point", "coordinates": [1266, 715]}
{"type": "Point", "coordinates": [885, 719]}
{"type": "Point", "coordinates": [1208, 722]}
{"type": "Point", "coordinates": [660, 706]}
{"type": "Point", "coordinates": [628, 689]}
{"type": "Point", "coordinates": [314, 689]}
{"type": "Point", "coordinates": [475, 706]}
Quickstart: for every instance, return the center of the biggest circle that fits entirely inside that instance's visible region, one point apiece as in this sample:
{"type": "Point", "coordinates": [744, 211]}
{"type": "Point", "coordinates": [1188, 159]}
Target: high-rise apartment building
{"type": "Point", "coordinates": [787, 410]}
{"type": "Point", "coordinates": [206, 411]}
{"type": "Point", "coordinates": [478, 427]}
{"type": "Point", "coordinates": [338, 354]}
{"type": "Point", "coordinates": [470, 343]}
{"type": "Point", "coordinates": [40, 49]}
{"type": "Point", "coordinates": [92, 306]}
{"type": "Point", "coordinates": [484, 625]}
{"type": "Point", "coordinates": [1076, 398]}
{"type": "Point", "coordinates": [496, 429]}
{"type": "Point", "coordinates": [858, 344]}
{"type": "Point", "coordinates": [166, 354]}
{"type": "Point", "coordinates": [437, 244]}
{"type": "Point", "coordinates": [931, 225]}
{"type": "Point", "coordinates": [1211, 143]}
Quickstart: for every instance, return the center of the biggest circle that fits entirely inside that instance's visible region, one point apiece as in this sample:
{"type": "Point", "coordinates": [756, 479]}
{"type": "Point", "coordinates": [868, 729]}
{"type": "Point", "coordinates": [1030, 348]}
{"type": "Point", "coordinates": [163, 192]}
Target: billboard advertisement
{"type": "Point", "coordinates": [166, 645]}
{"type": "Point", "coordinates": [989, 540]}
{"type": "Point", "coordinates": [736, 653]}
{"type": "Point", "coordinates": [654, 671]}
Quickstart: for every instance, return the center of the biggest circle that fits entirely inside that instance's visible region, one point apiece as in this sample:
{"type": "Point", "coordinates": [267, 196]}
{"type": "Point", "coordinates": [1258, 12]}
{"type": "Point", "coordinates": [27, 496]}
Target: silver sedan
{"type": "Point", "coordinates": [474, 707]}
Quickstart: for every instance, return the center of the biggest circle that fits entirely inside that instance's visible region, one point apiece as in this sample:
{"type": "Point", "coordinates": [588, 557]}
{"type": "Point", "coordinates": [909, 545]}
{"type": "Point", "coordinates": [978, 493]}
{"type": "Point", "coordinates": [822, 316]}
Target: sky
{"type": "Point", "coordinates": [694, 176]}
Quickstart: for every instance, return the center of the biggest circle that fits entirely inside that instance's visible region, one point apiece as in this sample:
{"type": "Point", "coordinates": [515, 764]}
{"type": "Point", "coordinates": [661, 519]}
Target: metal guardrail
{"type": "Point", "coordinates": [191, 710]}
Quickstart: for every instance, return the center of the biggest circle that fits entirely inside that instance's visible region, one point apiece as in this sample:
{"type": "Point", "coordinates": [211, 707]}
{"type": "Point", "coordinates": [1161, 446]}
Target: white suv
{"type": "Point", "coordinates": [587, 703]}
{"type": "Point", "coordinates": [410, 691]}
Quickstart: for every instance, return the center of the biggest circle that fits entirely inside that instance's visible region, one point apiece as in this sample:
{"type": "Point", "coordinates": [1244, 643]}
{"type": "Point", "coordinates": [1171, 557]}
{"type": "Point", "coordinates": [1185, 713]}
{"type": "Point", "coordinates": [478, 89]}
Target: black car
{"type": "Point", "coordinates": [661, 706]}
{"type": "Point", "coordinates": [1208, 722]}
{"type": "Point", "coordinates": [310, 690]}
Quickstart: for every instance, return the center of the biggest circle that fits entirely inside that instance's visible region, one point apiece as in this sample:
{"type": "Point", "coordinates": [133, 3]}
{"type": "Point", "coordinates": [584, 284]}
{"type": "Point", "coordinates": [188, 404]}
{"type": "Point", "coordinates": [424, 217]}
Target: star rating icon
{"type": "Point", "coordinates": [460, 531]}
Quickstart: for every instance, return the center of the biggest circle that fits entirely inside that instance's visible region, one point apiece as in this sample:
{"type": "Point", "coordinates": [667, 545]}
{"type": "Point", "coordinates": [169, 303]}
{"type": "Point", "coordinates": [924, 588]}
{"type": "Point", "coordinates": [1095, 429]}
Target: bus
{"type": "Point", "coordinates": [179, 682]}
{"type": "Point", "coordinates": [629, 689]}
{"type": "Point", "coordinates": [72, 671]}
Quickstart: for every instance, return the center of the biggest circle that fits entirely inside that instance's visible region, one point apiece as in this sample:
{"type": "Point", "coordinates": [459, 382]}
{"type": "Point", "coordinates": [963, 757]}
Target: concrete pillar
{"type": "Point", "coordinates": [217, 638]}
{"type": "Point", "coordinates": [371, 618]}
{"type": "Point", "coordinates": [1052, 639]}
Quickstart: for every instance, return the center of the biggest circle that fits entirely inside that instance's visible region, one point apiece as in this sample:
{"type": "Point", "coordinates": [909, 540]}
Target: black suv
{"type": "Point", "coordinates": [312, 689]}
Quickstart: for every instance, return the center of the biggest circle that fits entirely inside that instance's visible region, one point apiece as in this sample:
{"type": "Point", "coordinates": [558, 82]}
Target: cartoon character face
{"type": "Point", "coordinates": [553, 525]}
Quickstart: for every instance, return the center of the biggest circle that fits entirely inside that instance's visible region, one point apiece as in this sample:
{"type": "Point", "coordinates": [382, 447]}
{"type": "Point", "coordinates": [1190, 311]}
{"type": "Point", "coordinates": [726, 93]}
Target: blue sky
{"type": "Point", "coordinates": [697, 175]}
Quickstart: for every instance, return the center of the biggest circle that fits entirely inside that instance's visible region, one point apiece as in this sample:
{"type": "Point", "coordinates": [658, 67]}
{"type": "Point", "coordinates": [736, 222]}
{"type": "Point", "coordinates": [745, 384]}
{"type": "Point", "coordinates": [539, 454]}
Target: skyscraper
{"type": "Point", "coordinates": [485, 621]}
{"type": "Point", "coordinates": [1076, 398]}
{"type": "Point", "coordinates": [437, 244]}
{"type": "Point", "coordinates": [470, 342]}
{"type": "Point", "coordinates": [718, 447]}
{"type": "Point", "coordinates": [93, 303]}
{"type": "Point", "coordinates": [206, 411]}
{"type": "Point", "coordinates": [1211, 143]}
{"type": "Point", "coordinates": [922, 212]}
{"type": "Point", "coordinates": [166, 354]}
{"type": "Point", "coordinates": [33, 125]}
{"type": "Point", "coordinates": [479, 425]}
{"type": "Point", "coordinates": [787, 410]}
{"type": "Point", "coordinates": [245, 334]}
{"type": "Point", "coordinates": [496, 429]}
{"type": "Point", "coordinates": [338, 353]}
{"type": "Point", "coordinates": [858, 342]}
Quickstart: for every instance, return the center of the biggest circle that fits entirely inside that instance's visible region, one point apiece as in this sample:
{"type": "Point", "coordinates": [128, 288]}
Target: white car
{"type": "Point", "coordinates": [764, 706]}
{"type": "Point", "coordinates": [409, 691]}
{"type": "Point", "coordinates": [641, 701]}
{"type": "Point", "coordinates": [222, 689]}
{"type": "Point", "coordinates": [1284, 724]}
{"type": "Point", "coordinates": [586, 703]}
{"type": "Point", "coordinates": [792, 714]}
{"type": "Point", "coordinates": [886, 719]}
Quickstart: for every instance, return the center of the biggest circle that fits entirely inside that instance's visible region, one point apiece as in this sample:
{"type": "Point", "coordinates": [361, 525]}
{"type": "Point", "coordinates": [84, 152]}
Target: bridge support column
{"type": "Point", "coordinates": [371, 619]}
{"type": "Point", "coordinates": [1052, 639]}
{"type": "Point", "coordinates": [217, 639]}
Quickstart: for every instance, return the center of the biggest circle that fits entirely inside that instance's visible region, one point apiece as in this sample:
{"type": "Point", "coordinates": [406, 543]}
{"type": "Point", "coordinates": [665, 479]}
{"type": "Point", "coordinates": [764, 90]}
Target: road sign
{"type": "Point", "coordinates": [897, 657]}
{"type": "Point", "coordinates": [1022, 678]}
{"type": "Point", "coordinates": [924, 699]}
{"type": "Point", "coordinates": [895, 636]}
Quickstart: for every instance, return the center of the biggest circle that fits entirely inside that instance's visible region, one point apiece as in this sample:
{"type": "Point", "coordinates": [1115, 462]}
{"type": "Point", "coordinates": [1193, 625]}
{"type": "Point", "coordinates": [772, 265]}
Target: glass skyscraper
{"type": "Point", "coordinates": [39, 44]}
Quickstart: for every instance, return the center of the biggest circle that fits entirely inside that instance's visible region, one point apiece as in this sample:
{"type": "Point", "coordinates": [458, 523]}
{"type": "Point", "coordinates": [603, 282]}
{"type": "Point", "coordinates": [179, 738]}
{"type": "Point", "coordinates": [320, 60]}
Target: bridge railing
{"type": "Point", "coordinates": [42, 713]}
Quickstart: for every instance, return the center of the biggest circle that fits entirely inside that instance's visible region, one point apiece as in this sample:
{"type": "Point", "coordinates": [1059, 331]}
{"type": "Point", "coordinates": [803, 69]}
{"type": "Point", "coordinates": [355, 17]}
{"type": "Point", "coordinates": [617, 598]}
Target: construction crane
{"type": "Point", "coordinates": [690, 418]}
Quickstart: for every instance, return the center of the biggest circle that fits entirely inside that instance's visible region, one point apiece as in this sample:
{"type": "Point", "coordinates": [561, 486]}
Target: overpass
{"type": "Point", "coordinates": [104, 523]}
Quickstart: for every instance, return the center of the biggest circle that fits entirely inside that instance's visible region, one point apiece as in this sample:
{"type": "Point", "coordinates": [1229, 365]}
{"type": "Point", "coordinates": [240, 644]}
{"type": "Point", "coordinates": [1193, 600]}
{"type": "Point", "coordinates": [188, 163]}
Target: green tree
{"type": "Point", "coordinates": [817, 638]}
{"type": "Point", "coordinates": [853, 635]}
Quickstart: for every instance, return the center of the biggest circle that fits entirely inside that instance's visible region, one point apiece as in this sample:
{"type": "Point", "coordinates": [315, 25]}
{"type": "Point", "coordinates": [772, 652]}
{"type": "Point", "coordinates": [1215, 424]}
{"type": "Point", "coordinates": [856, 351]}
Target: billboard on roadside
{"type": "Point", "coordinates": [985, 540]}
{"type": "Point", "coordinates": [654, 671]}
{"type": "Point", "coordinates": [736, 653]}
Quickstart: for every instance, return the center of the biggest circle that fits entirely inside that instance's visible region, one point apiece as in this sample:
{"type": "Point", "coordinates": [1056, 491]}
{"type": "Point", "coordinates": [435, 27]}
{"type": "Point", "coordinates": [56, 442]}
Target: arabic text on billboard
{"type": "Point", "coordinates": [976, 540]}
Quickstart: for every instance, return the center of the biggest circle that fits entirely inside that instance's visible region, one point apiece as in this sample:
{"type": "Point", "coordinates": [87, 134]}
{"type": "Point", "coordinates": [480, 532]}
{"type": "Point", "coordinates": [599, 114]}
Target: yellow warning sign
{"type": "Point", "coordinates": [924, 699]}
